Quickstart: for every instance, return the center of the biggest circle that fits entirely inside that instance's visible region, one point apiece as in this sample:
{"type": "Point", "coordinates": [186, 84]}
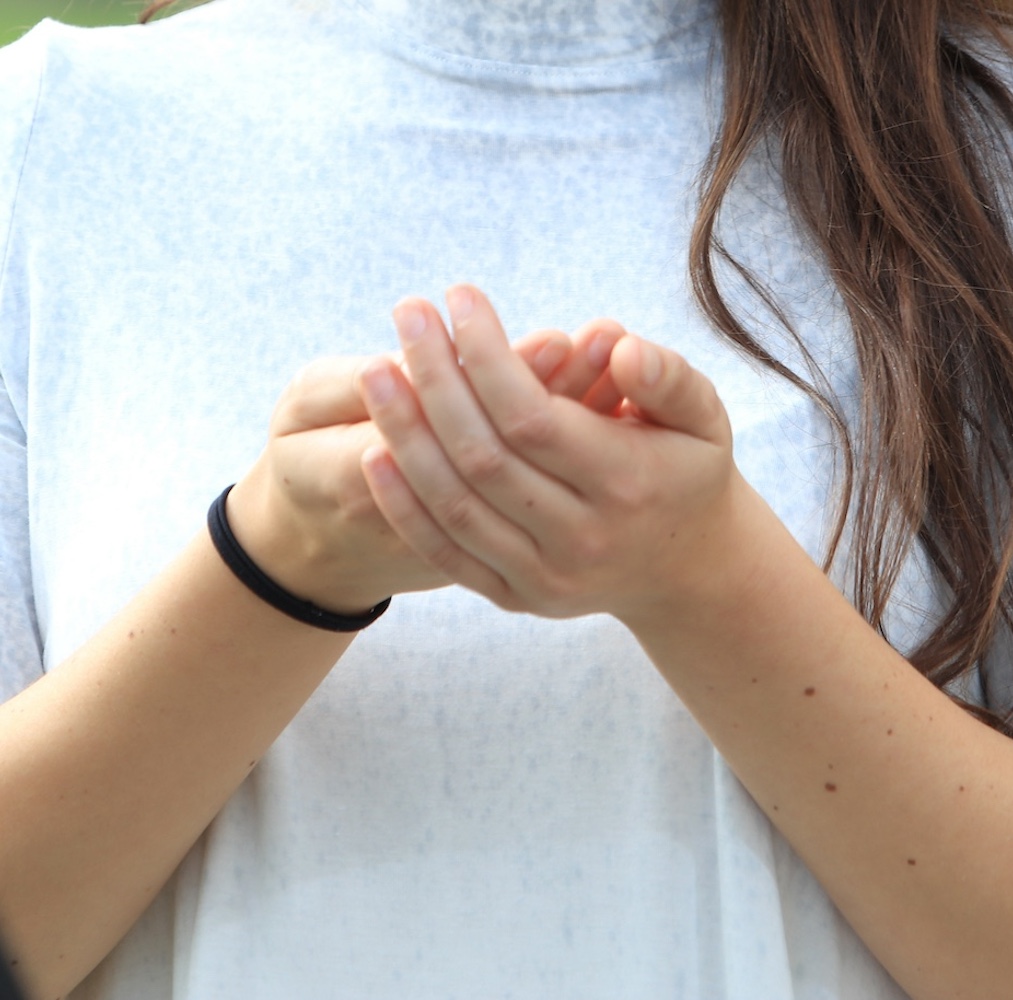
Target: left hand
{"type": "Point", "coordinates": [544, 505]}
{"type": "Point", "coordinates": [536, 500]}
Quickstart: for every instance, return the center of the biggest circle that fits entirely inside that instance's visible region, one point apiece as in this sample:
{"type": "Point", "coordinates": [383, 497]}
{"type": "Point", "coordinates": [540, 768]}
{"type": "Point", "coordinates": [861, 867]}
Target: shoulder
{"type": "Point", "coordinates": [84, 113]}
{"type": "Point", "coordinates": [67, 67]}
{"type": "Point", "coordinates": [21, 70]}
{"type": "Point", "coordinates": [73, 99]}
{"type": "Point", "coordinates": [61, 69]}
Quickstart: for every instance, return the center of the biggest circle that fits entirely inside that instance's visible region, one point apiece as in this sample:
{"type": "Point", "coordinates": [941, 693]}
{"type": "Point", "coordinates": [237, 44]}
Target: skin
{"type": "Point", "coordinates": [113, 765]}
{"type": "Point", "coordinates": [603, 482]}
{"type": "Point", "coordinates": [897, 799]}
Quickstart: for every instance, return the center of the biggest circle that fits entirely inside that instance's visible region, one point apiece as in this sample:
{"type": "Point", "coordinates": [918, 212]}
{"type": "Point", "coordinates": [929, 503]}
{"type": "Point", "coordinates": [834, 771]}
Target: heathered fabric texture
{"type": "Point", "coordinates": [474, 804]}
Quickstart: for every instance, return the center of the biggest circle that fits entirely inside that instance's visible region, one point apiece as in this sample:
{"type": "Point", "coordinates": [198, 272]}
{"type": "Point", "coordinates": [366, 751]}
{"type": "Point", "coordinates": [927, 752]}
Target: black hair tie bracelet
{"type": "Point", "coordinates": [235, 557]}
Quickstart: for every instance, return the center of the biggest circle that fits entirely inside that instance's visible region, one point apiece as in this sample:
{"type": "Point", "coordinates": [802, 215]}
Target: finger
{"type": "Point", "coordinates": [414, 525]}
{"type": "Point", "coordinates": [475, 449]}
{"type": "Point", "coordinates": [461, 512]}
{"type": "Point", "coordinates": [603, 396]}
{"type": "Point", "coordinates": [544, 352]}
{"type": "Point", "coordinates": [516, 404]}
{"type": "Point", "coordinates": [516, 400]}
{"type": "Point", "coordinates": [321, 394]}
{"type": "Point", "coordinates": [585, 373]}
{"type": "Point", "coordinates": [555, 434]}
{"type": "Point", "coordinates": [663, 388]}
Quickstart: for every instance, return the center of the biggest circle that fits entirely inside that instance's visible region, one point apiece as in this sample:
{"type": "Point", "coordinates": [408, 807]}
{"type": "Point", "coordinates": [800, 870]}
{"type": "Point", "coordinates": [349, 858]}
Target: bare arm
{"type": "Point", "coordinates": [899, 801]}
{"type": "Point", "coordinates": [112, 765]}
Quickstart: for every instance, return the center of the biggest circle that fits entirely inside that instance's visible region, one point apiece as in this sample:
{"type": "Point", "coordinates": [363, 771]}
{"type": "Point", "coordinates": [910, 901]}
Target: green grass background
{"type": "Point", "coordinates": [17, 16]}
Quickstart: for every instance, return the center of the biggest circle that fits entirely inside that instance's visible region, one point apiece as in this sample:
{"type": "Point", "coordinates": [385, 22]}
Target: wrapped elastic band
{"type": "Point", "coordinates": [235, 557]}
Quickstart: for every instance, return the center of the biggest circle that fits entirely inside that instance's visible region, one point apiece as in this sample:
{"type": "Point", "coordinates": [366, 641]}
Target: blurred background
{"type": "Point", "coordinates": [17, 16]}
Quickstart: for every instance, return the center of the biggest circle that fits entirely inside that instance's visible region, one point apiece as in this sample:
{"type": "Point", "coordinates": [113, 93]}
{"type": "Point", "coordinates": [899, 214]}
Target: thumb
{"type": "Point", "coordinates": [661, 387]}
{"type": "Point", "coordinates": [324, 393]}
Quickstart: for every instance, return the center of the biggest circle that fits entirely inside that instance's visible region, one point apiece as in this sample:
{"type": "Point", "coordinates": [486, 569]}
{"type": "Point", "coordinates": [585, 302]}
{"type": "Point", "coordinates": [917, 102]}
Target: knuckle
{"type": "Point", "coordinates": [531, 429]}
{"type": "Point", "coordinates": [553, 587]}
{"type": "Point", "coordinates": [306, 379]}
{"type": "Point", "coordinates": [480, 461]}
{"type": "Point", "coordinates": [563, 595]}
{"type": "Point", "coordinates": [330, 490]}
{"type": "Point", "coordinates": [455, 512]}
{"type": "Point", "coordinates": [284, 416]}
{"type": "Point", "coordinates": [444, 557]}
{"type": "Point", "coordinates": [710, 402]}
{"type": "Point", "coordinates": [629, 492]}
{"type": "Point", "coordinates": [297, 413]}
{"type": "Point", "coordinates": [294, 408]}
{"type": "Point", "coordinates": [301, 379]}
{"type": "Point", "coordinates": [426, 378]}
{"type": "Point", "coordinates": [591, 548]}
{"type": "Point", "coordinates": [355, 502]}
{"type": "Point", "coordinates": [510, 600]}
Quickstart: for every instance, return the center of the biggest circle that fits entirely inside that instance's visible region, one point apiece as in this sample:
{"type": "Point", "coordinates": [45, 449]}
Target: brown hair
{"type": "Point", "coordinates": [888, 130]}
{"type": "Point", "coordinates": [887, 118]}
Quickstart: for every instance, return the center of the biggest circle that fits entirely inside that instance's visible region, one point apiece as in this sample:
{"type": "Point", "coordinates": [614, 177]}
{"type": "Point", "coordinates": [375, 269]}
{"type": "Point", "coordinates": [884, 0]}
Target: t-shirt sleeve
{"type": "Point", "coordinates": [21, 67]}
{"type": "Point", "coordinates": [20, 644]}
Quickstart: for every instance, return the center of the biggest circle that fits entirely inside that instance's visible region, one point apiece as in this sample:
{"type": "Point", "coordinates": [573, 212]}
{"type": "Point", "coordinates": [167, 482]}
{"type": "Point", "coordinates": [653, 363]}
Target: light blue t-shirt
{"type": "Point", "coordinates": [474, 804]}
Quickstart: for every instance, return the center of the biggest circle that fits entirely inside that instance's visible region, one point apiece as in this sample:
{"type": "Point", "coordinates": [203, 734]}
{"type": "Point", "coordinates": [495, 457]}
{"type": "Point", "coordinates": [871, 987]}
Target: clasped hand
{"type": "Point", "coordinates": [556, 476]}
{"type": "Point", "coordinates": [304, 512]}
{"type": "Point", "coordinates": [616, 502]}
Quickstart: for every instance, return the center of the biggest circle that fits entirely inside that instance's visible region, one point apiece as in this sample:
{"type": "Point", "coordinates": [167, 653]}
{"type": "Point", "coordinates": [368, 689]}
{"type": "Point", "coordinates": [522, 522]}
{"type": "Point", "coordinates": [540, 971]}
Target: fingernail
{"type": "Point", "coordinates": [650, 364]}
{"type": "Point", "coordinates": [549, 358]}
{"type": "Point", "coordinates": [460, 302]}
{"type": "Point", "coordinates": [600, 350]}
{"type": "Point", "coordinates": [409, 320]}
{"type": "Point", "coordinates": [378, 383]}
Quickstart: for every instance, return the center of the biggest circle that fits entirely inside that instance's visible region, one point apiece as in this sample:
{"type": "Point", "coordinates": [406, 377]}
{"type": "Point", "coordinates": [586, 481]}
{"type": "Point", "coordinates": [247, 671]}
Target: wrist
{"type": "Point", "coordinates": [720, 589]}
{"type": "Point", "coordinates": [285, 549]}
{"type": "Point", "coordinates": [238, 560]}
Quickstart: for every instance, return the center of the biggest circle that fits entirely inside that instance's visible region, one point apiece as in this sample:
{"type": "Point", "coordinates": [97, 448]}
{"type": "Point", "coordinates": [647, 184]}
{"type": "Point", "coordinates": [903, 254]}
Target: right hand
{"type": "Point", "coordinates": [304, 513]}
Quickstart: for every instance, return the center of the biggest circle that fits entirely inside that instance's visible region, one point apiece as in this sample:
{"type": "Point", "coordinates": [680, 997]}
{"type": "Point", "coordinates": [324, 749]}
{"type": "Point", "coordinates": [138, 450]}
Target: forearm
{"type": "Point", "coordinates": [896, 798]}
{"type": "Point", "coordinates": [899, 801]}
{"type": "Point", "coordinates": [112, 765]}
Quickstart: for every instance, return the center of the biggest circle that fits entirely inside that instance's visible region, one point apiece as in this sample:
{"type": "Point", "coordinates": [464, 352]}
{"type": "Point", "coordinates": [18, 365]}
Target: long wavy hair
{"type": "Point", "coordinates": [889, 121]}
